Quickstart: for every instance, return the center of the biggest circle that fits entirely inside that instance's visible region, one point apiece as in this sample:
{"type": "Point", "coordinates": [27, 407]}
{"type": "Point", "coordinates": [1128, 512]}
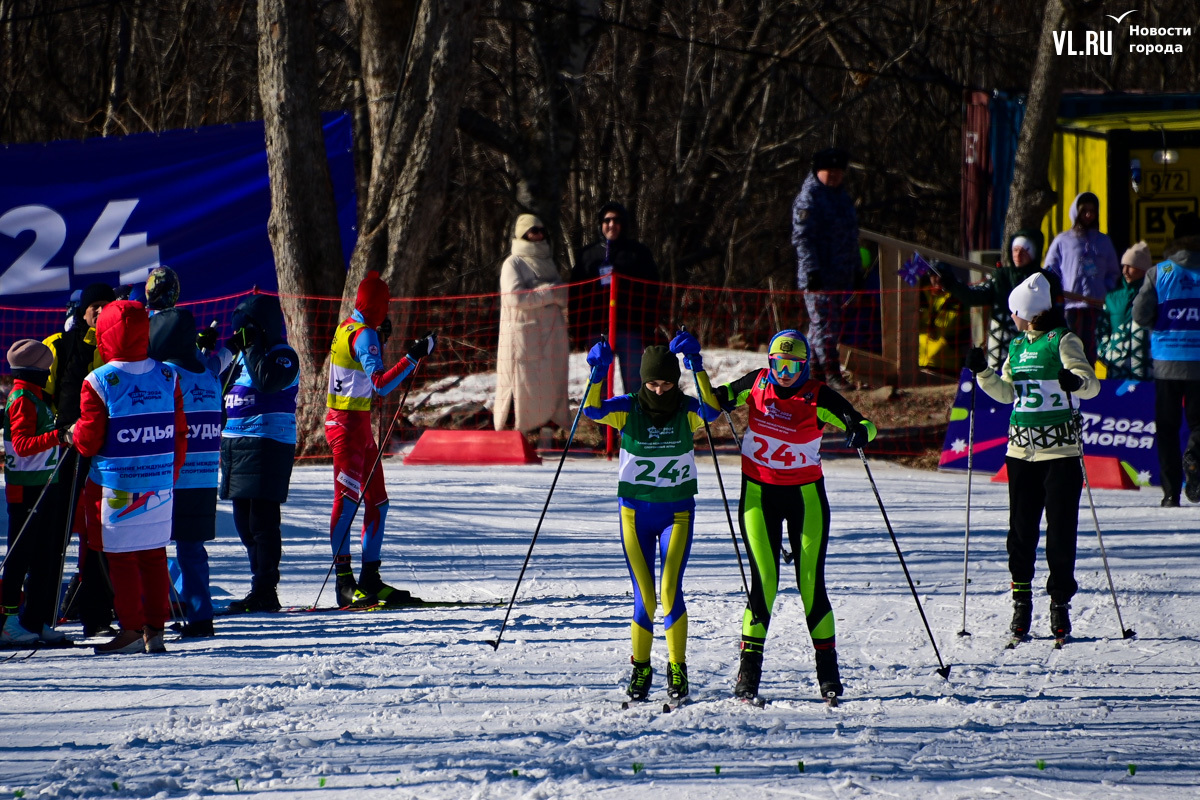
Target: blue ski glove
{"type": "Point", "coordinates": [599, 358]}
{"type": "Point", "coordinates": [856, 435]}
{"type": "Point", "coordinates": [685, 343]}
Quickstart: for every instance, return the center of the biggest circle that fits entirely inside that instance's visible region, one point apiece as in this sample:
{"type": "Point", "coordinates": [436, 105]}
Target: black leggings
{"type": "Point", "coordinates": [1052, 486]}
{"type": "Point", "coordinates": [763, 510]}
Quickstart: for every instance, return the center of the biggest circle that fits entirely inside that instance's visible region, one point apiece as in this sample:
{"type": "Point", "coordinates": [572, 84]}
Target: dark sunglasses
{"type": "Point", "coordinates": [542, 231]}
{"type": "Point", "coordinates": [611, 221]}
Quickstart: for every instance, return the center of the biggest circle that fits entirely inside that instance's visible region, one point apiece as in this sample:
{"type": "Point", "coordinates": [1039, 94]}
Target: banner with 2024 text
{"type": "Point", "coordinates": [1118, 422]}
{"type": "Point", "coordinates": [112, 209]}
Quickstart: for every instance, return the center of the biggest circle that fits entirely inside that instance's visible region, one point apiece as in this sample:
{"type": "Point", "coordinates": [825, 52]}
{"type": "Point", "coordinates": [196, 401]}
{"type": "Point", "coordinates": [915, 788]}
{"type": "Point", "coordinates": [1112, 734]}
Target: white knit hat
{"type": "Point", "coordinates": [524, 223]}
{"type": "Point", "coordinates": [1031, 297]}
{"type": "Point", "coordinates": [1027, 245]}
{"type": "Point", "coordinates": [1138, 257]}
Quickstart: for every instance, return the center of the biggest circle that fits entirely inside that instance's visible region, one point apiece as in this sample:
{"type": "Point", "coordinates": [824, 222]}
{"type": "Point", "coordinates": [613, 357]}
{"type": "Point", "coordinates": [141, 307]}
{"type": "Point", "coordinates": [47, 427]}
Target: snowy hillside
{"type": "Point", "coordinates": [414, 704]}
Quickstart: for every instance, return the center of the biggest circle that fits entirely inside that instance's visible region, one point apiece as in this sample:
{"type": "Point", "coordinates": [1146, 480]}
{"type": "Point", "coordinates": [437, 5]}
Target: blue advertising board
{"type": "Point", "coordinates": [112, 209]}
{"type": "Point", "coordinates": [1118, 422]}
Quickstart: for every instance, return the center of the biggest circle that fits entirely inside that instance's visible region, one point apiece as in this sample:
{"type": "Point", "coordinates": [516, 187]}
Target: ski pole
{"type": "Point", "coordinates": [363, 489]}
{"type": "Point", "coordinates": [62, 561]}
{"type": "Point", "coordinates": [970, 465]}
{"type": "Point", "coordinates": [495, 643]}
{"type": "Point", "coordinates": [943, 670]}
{"type": "Point", "coordinates": [724, 499]}
{"type": "Point", "coordinates": [32, 511]}
{"type": "Point", "coordinates": [1077, 418]}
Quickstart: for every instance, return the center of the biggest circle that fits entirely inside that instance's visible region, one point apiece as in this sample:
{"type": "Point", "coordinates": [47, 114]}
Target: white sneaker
{"type": "Point", "coordinates": [13, 633]}
{"type": "Point", "coordinates": [52, 636]}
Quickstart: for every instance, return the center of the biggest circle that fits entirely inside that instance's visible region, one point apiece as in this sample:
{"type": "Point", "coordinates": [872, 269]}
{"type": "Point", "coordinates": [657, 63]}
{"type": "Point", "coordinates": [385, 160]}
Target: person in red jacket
{"type": "Point", "coordinates": [32, 488]}
{"type": "Point", "coordinates": [132, 426]}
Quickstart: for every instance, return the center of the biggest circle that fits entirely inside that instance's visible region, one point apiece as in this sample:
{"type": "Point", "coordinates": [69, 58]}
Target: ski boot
{"type": "Point", "coordinates": [126, 641]}
{"type": "Point", "coordinates": [1191, 477]}
{"type": "Point", "coordinates": [639, 680]}
{"type": "Point", "coordinates": [200, 629]}
{"type": "Point", "coordinates": [828, 678]}
{"type": "Point", "coordinates": [346, 590]}
{"type": "Point", "coordinates": [677, 681]}
{"type": "Point", "coordinates": [749, 675]}
{"type": "Point", "coordinates": [152, 639]}
{"type": "Point", "coordinates": [1060, 621]}
{"type": "Point", "coordinates": [1022, 618]}
{"type": "Point", "coordinates": [13, 632]}
{"type": "Point", "coordinates": [371, 586]}
{"type": "Point", "coordinates": [256, 600]}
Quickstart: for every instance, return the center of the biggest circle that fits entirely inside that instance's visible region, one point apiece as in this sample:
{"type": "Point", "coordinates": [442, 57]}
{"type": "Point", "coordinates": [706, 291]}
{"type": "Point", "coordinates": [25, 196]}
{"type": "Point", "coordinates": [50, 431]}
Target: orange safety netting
{"type": "Point", "coordinates": [455, 387]}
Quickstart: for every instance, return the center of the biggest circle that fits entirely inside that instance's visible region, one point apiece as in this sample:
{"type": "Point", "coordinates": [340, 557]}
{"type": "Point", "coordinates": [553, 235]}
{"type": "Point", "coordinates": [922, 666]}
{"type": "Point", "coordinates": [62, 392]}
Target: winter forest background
{"type": "Point", "coordinates": [701, 115]}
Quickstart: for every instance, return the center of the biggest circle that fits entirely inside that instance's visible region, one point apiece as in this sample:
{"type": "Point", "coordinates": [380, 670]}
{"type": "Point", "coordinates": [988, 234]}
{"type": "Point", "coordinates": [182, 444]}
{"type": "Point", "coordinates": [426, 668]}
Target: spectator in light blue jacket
{"type": "Point", "coordinates": [825, 235]}
{"type": "Point", "coordinates": [1086, 262]}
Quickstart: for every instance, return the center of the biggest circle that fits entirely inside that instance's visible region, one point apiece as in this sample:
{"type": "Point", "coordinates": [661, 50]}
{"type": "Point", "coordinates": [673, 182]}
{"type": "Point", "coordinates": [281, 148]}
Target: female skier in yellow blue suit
{"type": "Point", "coordinates": [656, 495]}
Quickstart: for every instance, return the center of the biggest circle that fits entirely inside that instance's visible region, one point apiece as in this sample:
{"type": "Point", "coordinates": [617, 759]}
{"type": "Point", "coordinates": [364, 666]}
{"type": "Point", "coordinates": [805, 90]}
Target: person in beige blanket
{"type": "Point", "coordinates": [531, 360]}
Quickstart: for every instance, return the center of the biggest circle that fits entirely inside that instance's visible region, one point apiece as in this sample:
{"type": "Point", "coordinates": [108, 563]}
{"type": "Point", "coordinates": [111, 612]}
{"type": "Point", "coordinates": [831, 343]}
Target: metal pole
{"type": "Point", "coordinates": [970, 470]}
{"type": "Point", "coordinates": [495, 643]}
{"type": "Point", "coordinates": [943, 670]}
{"type": "Point", "coordinates": [1126, 633]}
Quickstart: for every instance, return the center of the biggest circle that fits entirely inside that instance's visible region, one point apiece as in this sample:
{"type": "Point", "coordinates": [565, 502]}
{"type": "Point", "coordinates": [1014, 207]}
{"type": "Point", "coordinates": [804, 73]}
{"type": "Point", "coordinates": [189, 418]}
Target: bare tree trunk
{"type": "Point", "coordinates": [116, 86]}
{"type": "Point", "coordinates": [542, 139]}
{"type": "Point", "coordinates": [1031, 195]}
{"type": "Point", "coordinates": [414, 102]}
{"type": "Point", "coordinates": [303, 223]}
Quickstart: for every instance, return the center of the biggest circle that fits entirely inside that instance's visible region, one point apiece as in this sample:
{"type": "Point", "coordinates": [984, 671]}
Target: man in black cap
{"type": "Point", "coordinates": [825, 235]}
{"type": "Point", "coordinates": [75, 355]}
{"type": "Point", "coordinates": [638, 292]}
{"type": "Point", "coordinates": [1169, 304]}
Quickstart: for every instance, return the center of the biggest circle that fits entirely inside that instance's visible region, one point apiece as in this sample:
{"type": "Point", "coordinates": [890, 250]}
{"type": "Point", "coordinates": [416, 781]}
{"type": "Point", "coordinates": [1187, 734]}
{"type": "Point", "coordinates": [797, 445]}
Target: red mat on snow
{"type": "Point", "coordinates": [472, 447]}
{"type": "Point", "coordinates": [1103, 472]}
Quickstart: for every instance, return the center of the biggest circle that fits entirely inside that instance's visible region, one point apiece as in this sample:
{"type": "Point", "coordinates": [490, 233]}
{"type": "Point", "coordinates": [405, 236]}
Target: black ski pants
{"type": "Point", "coordinates": [1052, 486]}
{"type": "Point", "coordinates": [257, 523]}
{"type": "Point", "coordinates": [1174, 400]}
{"type": "Point", "coordinates": [37, 554]}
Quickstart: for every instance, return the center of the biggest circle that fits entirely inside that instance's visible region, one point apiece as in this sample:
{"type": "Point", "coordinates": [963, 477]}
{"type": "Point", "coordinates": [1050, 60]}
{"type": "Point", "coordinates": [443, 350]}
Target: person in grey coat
{"type": "Point", "coordinates": [1169, 304]}
{"type": "Point", "coordinates": [825, 235]}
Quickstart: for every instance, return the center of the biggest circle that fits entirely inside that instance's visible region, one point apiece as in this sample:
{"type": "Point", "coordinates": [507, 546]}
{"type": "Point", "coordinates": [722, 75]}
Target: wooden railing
{"type": "Point", "coordinates": [901, 307]}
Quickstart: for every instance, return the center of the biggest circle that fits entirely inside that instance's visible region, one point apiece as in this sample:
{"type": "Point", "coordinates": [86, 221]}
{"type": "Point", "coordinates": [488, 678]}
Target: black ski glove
{"type": "Point", "coordinates": [856, 435]}
{"type": "Point", "coordinates": [976, 360]}
{"type": "Point", "coordinates": [421, 348]}
{"type": "Point", "coordinates": [1069, 381]}
{"type": "Point", "coordinates": [385, 331]}
{"type": "Point", "coordinates": [206, 339]}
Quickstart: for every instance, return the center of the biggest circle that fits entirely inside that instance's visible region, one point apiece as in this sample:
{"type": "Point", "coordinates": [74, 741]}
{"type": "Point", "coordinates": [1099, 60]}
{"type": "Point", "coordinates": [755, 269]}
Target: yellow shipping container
{"type": "Point", "coordinates": [1144, 167]}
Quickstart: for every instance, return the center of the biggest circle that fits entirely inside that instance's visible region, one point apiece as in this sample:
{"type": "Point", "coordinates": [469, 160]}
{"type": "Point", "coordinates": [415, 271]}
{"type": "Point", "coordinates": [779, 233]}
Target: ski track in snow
{"type": "Point", "coordinates": [414, 704]}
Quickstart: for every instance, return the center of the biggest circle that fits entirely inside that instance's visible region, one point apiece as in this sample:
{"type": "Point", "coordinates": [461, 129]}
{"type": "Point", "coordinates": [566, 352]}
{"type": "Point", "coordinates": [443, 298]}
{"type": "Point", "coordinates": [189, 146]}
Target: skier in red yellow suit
{"type": "Point", "coordinates": [782, 481]}
{"type": "Point", "coordinates": [356, 374]}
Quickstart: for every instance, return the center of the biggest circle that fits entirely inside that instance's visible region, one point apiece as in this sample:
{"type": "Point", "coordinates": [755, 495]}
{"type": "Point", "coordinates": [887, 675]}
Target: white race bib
{"type": "Point", "coordinates": [780, 455]}
{"type": "Point", "coordinates": [1039, 396]}
{"type": "Point", "coordinates": [664, 471]}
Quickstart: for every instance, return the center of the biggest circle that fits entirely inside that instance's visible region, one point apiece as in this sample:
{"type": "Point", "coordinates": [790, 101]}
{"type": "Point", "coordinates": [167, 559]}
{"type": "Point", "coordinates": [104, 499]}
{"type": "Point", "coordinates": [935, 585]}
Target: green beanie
{"type": "Point", "coordinates": [659, 364]}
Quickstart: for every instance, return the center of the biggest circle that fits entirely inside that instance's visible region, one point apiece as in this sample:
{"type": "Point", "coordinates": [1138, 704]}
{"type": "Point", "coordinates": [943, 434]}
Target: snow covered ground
{"type": "Point", "coordinates": [414, 704]}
